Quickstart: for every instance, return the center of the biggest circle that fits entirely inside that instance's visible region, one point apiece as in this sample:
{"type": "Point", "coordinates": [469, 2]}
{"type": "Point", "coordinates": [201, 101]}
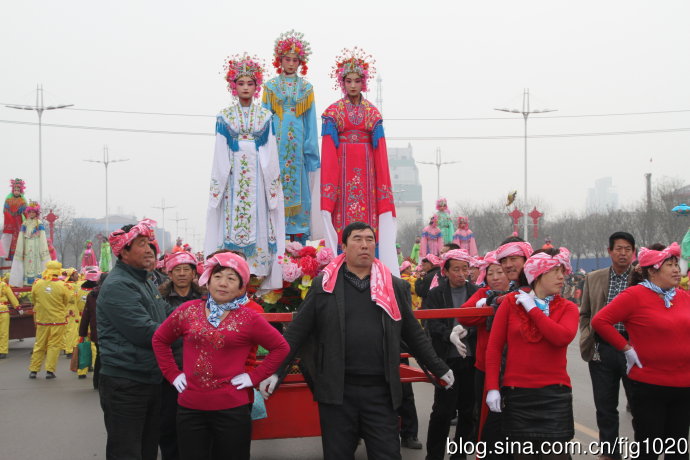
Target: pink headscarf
{"type": "Point", "coordinates": [652, 258]}
{"type": "Point", "coordinates": [455, 254]}
{"type": "Point", "coordinates": [405, 265]}
{"type": "Point", "coordinates": [433, 260]}
{"type": "Point", "coordinates": [489, 259]}
{"type": "Point", "coordinates": [515, 248]}
{"type": "Point", "coordinates": [381, 285]}
{"type": "Point", "coordinates": [226, 259]}
{"type": "Point", "coordinates": [119, 239]}
{"type": "Point", "coordinates": [179, 258]}
{"type": "Point", "coordinates": [540, 263]}
{"type": "Point", "coordinates": [93, 275]}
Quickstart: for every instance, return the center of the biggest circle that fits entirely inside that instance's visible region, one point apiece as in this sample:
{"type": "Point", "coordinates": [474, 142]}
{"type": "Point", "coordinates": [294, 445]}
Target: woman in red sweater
{"type": "Point", "coordinates": [536, 327]}
{"type": "Point", "coordinates": [657, 317]}
{"type": "Point", "coordinates": [213, 418]}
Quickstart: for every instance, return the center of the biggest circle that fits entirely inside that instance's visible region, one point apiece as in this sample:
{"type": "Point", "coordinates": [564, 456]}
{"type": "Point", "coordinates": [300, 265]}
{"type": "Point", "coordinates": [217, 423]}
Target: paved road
{"type": "Point", "coordinates": [62, 419]}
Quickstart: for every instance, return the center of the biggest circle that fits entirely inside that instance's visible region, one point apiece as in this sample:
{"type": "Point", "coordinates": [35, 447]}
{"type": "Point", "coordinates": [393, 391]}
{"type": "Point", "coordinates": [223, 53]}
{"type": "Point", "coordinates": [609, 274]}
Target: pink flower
{"type": "Point", "coordinates": [291, 271]}
{"type": "Point", "coordinates": [324, 256]}
{"type": "Point", "coordinates": [293, 248]}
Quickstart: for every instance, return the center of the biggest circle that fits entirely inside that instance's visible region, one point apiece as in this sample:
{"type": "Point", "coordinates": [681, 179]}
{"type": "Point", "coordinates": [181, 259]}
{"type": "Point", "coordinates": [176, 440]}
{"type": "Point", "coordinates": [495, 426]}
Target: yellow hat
{"type": "Point", "coordinates": [53, 268]}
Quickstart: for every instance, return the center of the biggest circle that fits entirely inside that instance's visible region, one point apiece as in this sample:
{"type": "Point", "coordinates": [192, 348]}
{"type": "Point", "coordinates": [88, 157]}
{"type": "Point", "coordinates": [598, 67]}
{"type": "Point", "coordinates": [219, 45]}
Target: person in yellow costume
{"type": "Point", "coordinates": [71, 277]}
{"type": "Point", "coordinates": [50, 298]}
{"type": "Point", "coordinates": [407, 274]}
{"type": "Point", "coordinates": [7, 298]}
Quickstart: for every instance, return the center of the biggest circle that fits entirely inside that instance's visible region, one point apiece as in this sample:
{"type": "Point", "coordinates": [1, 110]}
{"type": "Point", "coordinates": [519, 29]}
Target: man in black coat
{"type": "Point", "coordinates": [457, 347]}
{"type": "Point", "coordinates": [350, 344]}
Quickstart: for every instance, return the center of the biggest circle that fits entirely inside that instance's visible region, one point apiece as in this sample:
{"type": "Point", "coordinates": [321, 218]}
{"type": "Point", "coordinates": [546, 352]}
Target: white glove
{"type": "Point", "coordinates": [481, 302]}
{"type": "Point", "coordinates": [267, 387]}
{"type": "Point", "coordinates": [456, 337]}
{"type": "Point", "coordinates": [631, 360]}
{"type": "Point", "coordinates": [493, 400]}
{"type": "Point", "coordinates": [242, 381]}
{"type": "Point", "coordinates": [21, 312]}
{"type": "Point", "coordinates": [449, 378]}
{"type": "Point", "coordinates": [180, 383]}
{"type": "Point", "coordinates": [526, 300]}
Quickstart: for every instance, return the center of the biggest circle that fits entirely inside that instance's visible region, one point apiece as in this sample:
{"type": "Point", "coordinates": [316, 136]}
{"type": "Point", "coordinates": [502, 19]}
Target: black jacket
{"type": "Point", "coordinates": [439, 329]}
{"type": "Point", "coordinates": [317, 335]}
{"type": "Point", "coordinates": [129, 309]}
{"type": "Point", "coordinates": [422, 285]}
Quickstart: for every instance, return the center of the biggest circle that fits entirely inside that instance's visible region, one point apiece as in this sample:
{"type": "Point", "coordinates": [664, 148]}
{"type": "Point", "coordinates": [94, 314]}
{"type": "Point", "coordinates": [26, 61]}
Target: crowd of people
{"type": "Point", "coordinates": [176, 336]}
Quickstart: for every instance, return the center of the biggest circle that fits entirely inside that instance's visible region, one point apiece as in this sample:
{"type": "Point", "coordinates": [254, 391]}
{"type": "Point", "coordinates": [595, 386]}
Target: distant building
{"type": "Point", "coordinates": [603, 197]}
{"type": "Point", "coordinates": [117, 221]}
{"type": "Point", "coordinates": [406, 187]}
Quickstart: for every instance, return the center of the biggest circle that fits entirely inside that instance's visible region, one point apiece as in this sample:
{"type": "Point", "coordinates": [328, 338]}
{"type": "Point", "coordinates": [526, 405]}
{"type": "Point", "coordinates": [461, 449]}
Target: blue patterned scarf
{"type": "Point", "coordinates": [544, 304]}
{"type": "Point", "coordinates": [668, 294]}
{"type": "Point", "coordinates": [217, 310]}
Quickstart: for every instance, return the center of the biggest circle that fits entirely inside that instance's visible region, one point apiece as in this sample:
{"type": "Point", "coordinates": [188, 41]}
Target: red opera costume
{"type": "Point", "coordinates": [355, 178]}
{"type": "Point", "coordinates": [14, 207]}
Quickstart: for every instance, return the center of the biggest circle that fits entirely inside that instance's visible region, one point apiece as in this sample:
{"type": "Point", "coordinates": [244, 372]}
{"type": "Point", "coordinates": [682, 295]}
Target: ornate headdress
{"type": "Point", "coordinates": [442, 204]}
{"type": "Point", "coordinates": [33, 206]}
{"type": "Point", "coordinates": [356, 61]}
{"type": "Point", "coordinates": [19, 182]}
{"type": "Point", "coordinates": [243, 65]}
{"type": "Point", "coordinates": [291, 42]}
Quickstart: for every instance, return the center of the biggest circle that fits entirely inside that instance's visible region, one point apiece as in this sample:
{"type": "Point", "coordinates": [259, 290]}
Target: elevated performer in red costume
{"type": "Point", "coordinates": [355, 178]}
{"type": "Point", "coordinates": [15, 204]}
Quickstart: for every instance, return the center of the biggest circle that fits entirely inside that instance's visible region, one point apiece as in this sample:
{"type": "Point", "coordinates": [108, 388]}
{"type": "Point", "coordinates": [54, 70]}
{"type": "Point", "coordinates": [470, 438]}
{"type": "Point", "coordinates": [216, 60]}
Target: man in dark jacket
{"type": "Point", "coordinates": [453, 344]}
{"type": "Point", "coordinates": [129, 310]}
{"type": "Point", "coordinates": [350, 343]}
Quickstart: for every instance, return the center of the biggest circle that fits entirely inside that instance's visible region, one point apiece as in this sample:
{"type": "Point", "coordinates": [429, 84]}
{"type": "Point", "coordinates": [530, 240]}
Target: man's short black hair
{"type": "Point", "coordinates": [512, 239]}
{"type": "Point", "coordinates": [452, 246]}
{"type": "Point", "coordinates": [356, 226]}
{"type": "Point", "coordinates": [621, 236]}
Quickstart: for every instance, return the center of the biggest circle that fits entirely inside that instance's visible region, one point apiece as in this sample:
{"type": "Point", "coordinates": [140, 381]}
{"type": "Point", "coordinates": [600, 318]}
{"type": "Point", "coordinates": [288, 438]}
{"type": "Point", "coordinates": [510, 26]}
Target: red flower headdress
{"type": "Point", "coordinates": [291, 42]}
{"type": "Point", "coordinates": [243, 66]}
{"type": "Point", "coordinates": [19, 182]}
{"type": "Point", "coordinates": [353, 61]}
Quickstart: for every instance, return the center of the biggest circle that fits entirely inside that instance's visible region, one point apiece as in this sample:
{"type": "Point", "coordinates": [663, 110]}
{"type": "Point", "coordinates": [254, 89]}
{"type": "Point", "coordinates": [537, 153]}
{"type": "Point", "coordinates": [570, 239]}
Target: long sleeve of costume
{"type": "Point", "coordinates": [6, 295]}
{"type": "Point", "coordinates": [301, 326]}
{"type": "Point", "coordinates": [423, 247]}
{"type": "Point", "coordinates": [437, 328]}
{"type": "Point", "coordinates": [311, 140]}
{"type": "Point", "coordinates": [220, 172]}
{"type": "Point", "coordinates": [330, 178]}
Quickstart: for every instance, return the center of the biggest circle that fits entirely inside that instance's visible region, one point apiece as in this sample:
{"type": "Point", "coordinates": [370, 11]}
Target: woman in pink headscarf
{"type": "Point", "coordinates": [656, 315]}
{"type": "Point", "coordinates": [535, 395]}
{"type": "Point", "coordinates": [215, 390]}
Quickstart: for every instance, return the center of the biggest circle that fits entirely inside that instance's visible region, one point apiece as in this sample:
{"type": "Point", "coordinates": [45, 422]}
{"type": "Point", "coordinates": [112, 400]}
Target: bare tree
{"type": "Point", "coordinates": [79, 233]}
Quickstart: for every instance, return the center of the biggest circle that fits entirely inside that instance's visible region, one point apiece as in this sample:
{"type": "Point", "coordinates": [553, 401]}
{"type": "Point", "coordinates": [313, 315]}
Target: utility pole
{"type": "Point", "coordinates": [105, 162]}
{"type": "Point", "coordinates": [39, 108]}
{"type": "Point", "coordinates": [438, 163]}
{"type": "Point", "coordinates": [526, 112]}
{"type": "Point", "coordinates": [163, 207]}
{"type": "Point", "coordinates": [177, 225]}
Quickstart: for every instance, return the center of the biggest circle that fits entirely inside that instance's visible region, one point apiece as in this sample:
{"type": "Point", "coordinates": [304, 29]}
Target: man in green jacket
{"type": "Point", "coordinates": [129, 310]}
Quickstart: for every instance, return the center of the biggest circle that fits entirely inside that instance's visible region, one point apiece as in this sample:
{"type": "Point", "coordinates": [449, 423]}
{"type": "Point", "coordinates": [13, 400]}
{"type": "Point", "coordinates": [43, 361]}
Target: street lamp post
{"type": "Point", "coordinates": [163, 207]}
{"type": "Point", "coordinates": [438, 163]}
{"type": "Point", "coordinates": [105, 162]}
{"type": "Point", "coordinates": [39, 108]}
{"type": "Point", "coordinates": [526, 112]}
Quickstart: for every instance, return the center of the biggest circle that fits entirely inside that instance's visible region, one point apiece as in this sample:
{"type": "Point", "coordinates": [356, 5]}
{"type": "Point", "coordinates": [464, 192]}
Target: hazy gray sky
{"type": "Point", "coordinates": [438, 59]}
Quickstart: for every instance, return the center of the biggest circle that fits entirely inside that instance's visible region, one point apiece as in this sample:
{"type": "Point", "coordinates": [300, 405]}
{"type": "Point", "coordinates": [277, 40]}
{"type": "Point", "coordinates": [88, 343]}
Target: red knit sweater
{"type": "Point", "coordinates": [213, 356]}
{"type": "Point", "coordinates": [480, 323]}
{"type": "Point", "coordinates": [658, 334]}
{"type": "Point", "coordinates": [537, 344]}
